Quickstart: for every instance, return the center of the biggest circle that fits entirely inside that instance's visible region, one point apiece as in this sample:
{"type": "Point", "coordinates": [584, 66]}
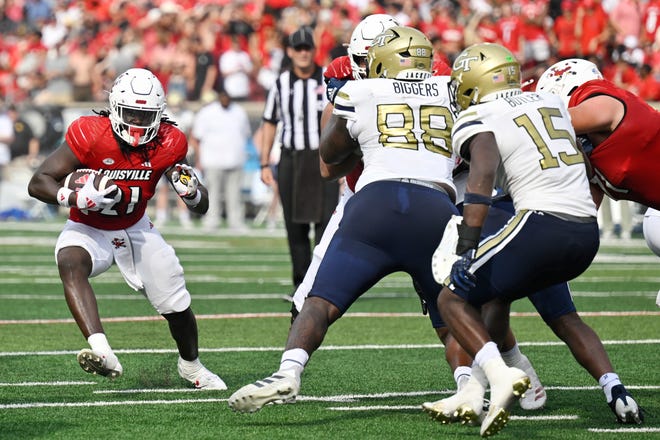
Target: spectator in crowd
{"type": "Point", "coordinates": [25, 142]}
{"type": "Point", "coordinates": [650, 20]}
{"type": "Point", "coordinates": [106, 38]}
{"type": "Point", "coordinates": [179, 113]}
{"type": "Point", "coordinates": [591, 29]}
{"type": "Point", "coordinates": [6, 138]}
{"type": "Point", "coordinates": [647, 87]}
{"type": "Point", "coordinates": [563, 31]}
{"type": "Point", "coordinates": [625, 17]}
{"type": "Point", "coordinates": [236, 69]}
{"type": "Point", "coordinates": [206, 69]}
{"type": "Point", "coordinates": [82, 63]}
{"type": "Point", "coordinates": [297, 101]}
{"type": "Point", "coordinates": [219, 137]}
{"type": "Point", "coordinates": [510, 31]}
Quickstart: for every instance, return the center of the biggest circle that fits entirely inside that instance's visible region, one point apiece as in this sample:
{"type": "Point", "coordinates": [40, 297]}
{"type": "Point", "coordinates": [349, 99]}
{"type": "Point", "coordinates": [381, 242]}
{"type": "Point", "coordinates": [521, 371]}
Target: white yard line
{"type": "Point", "coordinates": [322, 348]}
{"type": "Point", "coordinates": [282, 315]}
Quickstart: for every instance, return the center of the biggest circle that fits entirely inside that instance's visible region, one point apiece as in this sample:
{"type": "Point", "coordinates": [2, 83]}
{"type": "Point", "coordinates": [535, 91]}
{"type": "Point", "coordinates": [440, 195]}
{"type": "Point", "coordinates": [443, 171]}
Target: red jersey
{"type": "Point", "coordinates": [626, 162]}
{"type": "Point", "coordinates": [92, 141]}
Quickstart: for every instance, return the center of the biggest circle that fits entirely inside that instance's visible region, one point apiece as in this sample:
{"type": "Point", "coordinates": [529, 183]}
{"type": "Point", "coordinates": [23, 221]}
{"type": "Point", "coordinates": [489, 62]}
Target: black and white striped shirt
{"type": "Point", "coordinates": [298, 103]}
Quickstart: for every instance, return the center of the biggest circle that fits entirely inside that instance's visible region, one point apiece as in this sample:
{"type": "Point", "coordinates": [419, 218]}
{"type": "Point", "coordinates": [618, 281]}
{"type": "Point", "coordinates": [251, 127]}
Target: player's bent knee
{"type": "Point", "coordinates": [174, 303]}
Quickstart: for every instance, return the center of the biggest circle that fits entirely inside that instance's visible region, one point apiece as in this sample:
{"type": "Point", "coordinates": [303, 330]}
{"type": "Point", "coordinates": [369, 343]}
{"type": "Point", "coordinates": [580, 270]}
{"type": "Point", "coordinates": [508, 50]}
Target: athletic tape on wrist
{"type": "Point", "coordinates": [63, 196]}
{"type": "Point", "coordinates": [194, 201]}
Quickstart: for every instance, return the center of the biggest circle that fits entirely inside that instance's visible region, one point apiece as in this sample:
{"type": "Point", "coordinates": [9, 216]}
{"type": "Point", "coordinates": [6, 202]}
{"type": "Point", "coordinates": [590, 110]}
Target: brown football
{"type": "Point", "coordinates": [77, 179]}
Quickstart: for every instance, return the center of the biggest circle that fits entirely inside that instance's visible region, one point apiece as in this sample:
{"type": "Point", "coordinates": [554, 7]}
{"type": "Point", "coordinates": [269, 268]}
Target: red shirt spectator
{"type": "Point", "coordinates": [646, 87]}
{"type": "Point", "coordinates": [487, 30]}
{"type": "Point", "coordinates": [509, 29]}
{"type": "Point", "coordinates": [592, 22]}
{"type": "Point", "coordinates": [621, 74]}
{"type": "Point", "coordinates": [566, 42]}
{"type": "Point", "coordinates": [651, 20]}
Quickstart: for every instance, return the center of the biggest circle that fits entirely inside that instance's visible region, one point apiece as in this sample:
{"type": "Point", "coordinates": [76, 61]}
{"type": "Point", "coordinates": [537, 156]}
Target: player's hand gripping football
{"type": "Point", "coordinates": [184, 181]}
{"type": "Point", "coordinates": [91, 199]}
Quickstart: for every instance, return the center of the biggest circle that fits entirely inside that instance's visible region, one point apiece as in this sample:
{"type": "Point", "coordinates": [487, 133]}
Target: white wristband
{"type": "Point", "coordinates": [194, 201]}
{"type": "Point", "coordinates": [63, 196]}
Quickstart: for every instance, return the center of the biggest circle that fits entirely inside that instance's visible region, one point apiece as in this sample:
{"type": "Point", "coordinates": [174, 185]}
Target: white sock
{"type": "Point", "coordinates": [294, 359]}
{"type": "Point", "coordinates": [99, 343]}
{"type": "Point", "coordinates": [190, 365]}
{"type": "Point", "coordinates": [607, 381]}
{"type": "Point", "coordinates": [462, 375]}
{"type": "Point", "coordinates": [487, 352]}
{"type": "Point", "coordinates": [479, 375]}
{"type": "Point", "coordinates": [512, 357]}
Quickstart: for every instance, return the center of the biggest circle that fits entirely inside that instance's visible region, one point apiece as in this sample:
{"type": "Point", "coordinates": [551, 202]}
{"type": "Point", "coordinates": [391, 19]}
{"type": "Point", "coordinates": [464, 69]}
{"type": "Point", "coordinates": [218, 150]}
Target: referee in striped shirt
{"type": "Point", "coordinates": [297, 100]}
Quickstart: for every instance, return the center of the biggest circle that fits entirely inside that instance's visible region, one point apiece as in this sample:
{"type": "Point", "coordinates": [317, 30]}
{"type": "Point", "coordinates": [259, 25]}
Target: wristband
{"type": "Point", "coordinates": [477, 199]}
{"type": "Point", "coordinates": [63, 196]}
{"type": "Point", "coordinates": [194, 201]}
{"type": "Point", "coordinates": [468, 238]}
{"type": "Point", "coordinates": [264, 166]}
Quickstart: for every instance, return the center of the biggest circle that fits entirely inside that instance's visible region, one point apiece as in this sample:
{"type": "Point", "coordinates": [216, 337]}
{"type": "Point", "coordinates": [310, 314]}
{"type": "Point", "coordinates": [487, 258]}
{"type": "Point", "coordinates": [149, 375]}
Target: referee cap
{"type": "Point", "coordinates": [302, 37]}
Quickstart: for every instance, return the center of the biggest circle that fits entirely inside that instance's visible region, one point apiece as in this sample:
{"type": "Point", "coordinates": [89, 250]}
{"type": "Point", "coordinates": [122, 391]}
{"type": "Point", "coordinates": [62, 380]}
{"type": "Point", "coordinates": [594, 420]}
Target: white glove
{"type": "Point", "coordinates": [445, 256]}
{"type": "Point", "coordinates": [184, 181]}
{"type": "Point", "coordinates": [91, 199]}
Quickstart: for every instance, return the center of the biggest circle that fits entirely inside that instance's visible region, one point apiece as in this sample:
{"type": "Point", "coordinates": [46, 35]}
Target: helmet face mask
{"type": "Point", "coordinates": [564, 77]}
{"type": "Point", "coordinates": [481, 70]}
{"type": "Point", "coordinates": [361, 39]}
{"type": "Point", "coordinates": [400, 52]}
{"type": "Point", "coordinates": [137, 103]}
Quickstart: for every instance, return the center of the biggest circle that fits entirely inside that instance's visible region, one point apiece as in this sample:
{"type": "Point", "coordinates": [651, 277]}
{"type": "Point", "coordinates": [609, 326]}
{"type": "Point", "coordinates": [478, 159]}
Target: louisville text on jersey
{"type": "Point", "coordinates": [122, 174]}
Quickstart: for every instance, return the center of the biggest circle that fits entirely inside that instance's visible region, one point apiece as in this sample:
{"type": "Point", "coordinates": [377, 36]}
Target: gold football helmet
{"type": "Point", "coordinates": [400, 52]}
{"type": "Point", "coordinates": [480, 70]}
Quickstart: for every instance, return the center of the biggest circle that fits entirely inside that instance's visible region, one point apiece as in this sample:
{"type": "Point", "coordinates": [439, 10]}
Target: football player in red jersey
{"type": "Point", "coordinates": [133, 145]}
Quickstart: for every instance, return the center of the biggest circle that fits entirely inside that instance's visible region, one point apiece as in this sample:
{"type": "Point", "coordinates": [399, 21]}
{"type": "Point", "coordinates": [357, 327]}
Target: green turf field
{"type": "Point", "coordinates": [375, 368]}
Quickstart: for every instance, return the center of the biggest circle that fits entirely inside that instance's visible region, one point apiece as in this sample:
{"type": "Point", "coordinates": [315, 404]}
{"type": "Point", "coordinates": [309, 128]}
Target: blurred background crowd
{"type": "Point", "coordinates": [60, 56]}
{"type": "Point", "coordinates": [59, 51]}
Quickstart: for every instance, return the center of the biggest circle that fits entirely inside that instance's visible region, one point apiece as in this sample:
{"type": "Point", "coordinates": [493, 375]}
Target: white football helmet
{"type": "Point", "coordinates": [137, 103]}
{"type": "Point", "coordinates": [564, 77]}
{"type": "Point", "coordinates": [361, 39]}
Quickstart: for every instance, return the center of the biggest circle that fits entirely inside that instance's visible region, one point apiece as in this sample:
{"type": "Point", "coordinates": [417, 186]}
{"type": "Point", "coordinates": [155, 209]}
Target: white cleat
{"type": "Point", "coordinates": [536, 397]}
{"type": "Point", "coordinates": [506, 385]}
{"type": "Point", "coordinates": [466, 406]}
{"type": "Point", "coordinates": [103, 365]}
{"type": "Point", "coordinates": [201, 378]}
{"type": "Point", "coordinates": [281, 387]}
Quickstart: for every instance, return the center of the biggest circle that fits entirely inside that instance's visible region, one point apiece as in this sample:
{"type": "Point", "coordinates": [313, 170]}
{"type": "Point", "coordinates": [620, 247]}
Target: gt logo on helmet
{"type": "Point", "coordinates": [463, 63]}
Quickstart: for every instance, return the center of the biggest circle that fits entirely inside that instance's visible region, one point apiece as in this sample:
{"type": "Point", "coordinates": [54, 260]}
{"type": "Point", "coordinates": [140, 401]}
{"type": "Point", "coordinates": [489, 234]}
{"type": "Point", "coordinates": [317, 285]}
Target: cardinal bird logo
{"type": "Point", "coordinates": [118, 243]}
{"type": "Point", "coordinates": [560, 72]}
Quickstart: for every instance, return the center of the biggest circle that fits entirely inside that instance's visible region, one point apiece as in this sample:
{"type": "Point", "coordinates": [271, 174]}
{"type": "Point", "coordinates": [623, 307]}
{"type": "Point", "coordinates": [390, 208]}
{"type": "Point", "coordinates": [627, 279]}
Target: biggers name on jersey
{"type": "Point", "coordinates": [124, 174]}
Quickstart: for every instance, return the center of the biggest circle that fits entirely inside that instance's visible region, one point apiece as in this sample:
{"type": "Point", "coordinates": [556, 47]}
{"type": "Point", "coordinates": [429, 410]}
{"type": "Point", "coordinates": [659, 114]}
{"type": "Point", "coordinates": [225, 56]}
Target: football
{"type": "Point", "coordinates": [77, 179]}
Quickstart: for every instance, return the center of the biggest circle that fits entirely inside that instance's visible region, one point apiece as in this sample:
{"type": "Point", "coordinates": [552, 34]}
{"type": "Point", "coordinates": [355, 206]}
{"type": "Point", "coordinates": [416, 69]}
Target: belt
{"type": "Point", "coordinates": [426, 183]}
{"type": "Point", "coordinates": [569, 217]}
